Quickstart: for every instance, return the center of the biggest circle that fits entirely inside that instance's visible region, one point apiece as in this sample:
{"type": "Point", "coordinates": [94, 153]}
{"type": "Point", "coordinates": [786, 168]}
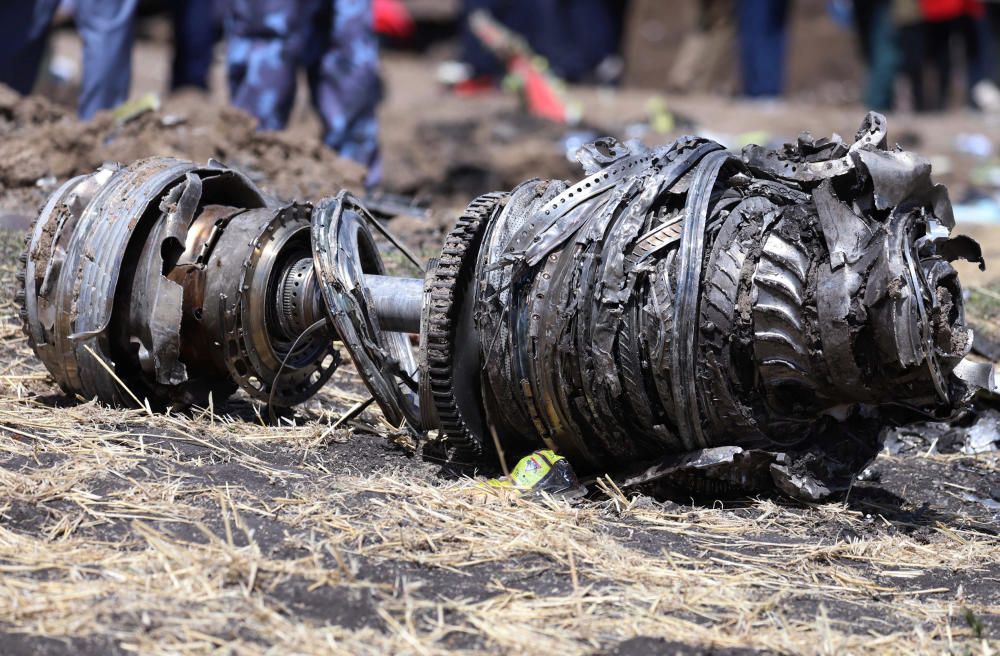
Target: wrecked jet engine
{"type": "Point", "coordinates": [171, 282]}
{"type": "Point", "coordinates": [705, 322]}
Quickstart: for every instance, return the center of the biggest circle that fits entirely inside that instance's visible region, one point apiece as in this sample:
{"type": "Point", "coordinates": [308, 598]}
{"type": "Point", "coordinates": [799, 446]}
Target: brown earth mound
{"type": "Point", "coordinates": [42, 144]}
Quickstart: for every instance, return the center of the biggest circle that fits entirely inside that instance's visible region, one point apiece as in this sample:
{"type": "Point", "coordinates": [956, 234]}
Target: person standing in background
{"type": "Point", "coordinates": [873, 22]}
{"type": "Point", "coordinates": [993, 25]}
{"type": "Point", "coordinates": [705, 55]}
{"type": "Point", "coordinates": [24, 30]}
{"type": "Point", "coordinates": [196, 29]}
{"type": "Point", "coordinates": [945, 23]}
{"type": "Point", "coordinates": [908, 21]}
{"type": "Point", "coordinates": [268, 41]}
{"type": "Point", "coordinates": [552, 29]}
{"type": "Point", "coordinates": [982, 91]}
{"type": "Point", "coordinates": [107, 29]}
{"type": "Point", "coordinates": [763, 40]}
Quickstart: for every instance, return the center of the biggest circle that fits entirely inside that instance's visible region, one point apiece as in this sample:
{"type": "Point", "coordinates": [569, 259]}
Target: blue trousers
{"type": "Point", "coordinates": [196, 29]}
{"type": "Point", "coordinates": [763, 39]}
{"type": "Point", "coordinates": [268, 41]}
{"type": "Point", "coordinates": [553, 29]}
{"type": "Point", "coordinates": [24, 27]}
{"type": "Point", "coordinates": [107, 30]}
{"type": "Point", "coordinates": [880, 47]}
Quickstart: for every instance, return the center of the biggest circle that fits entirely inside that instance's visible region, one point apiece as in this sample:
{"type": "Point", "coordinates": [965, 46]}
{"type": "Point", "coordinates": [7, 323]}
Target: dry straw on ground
{"type": "Point", "coordinates": [209, 531]}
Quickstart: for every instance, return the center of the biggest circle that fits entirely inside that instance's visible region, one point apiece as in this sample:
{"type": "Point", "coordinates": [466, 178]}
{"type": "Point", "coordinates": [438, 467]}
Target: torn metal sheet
{"type": "Point", "coordinates": [784, 303]}
{"type": "Point", "coordinates": [976, 433]}
{"type": "Point", "coordinates": [155, 274]}
{"type": "Point", "coordinates": [344, 251]}
{"type": "Point", "coordinates": [696, 320]}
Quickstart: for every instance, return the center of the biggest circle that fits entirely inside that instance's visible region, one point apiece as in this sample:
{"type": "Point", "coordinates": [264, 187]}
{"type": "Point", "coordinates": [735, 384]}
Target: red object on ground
{"type": "Point", "coordinates": [540, 96]}
{"type": "Point", "coordinates": [538, 87]}
{"type": "Point", "coordinates": [392, 18]}
{"type": "Point", "coordinates": [475, 85]}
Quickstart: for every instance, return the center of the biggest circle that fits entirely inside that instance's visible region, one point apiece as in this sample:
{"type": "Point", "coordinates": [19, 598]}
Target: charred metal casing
{"type": "Point", "coordinates": [763, 315]}
{"type": "Point", "coordinates": [153, 279]}
{"type": "Point", "coordinates": [706, 321]}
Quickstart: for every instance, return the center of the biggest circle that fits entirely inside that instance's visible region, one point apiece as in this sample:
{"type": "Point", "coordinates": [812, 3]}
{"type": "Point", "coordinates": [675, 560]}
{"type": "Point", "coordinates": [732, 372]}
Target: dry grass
{"type": "Point", "coordinates": [205, 533]}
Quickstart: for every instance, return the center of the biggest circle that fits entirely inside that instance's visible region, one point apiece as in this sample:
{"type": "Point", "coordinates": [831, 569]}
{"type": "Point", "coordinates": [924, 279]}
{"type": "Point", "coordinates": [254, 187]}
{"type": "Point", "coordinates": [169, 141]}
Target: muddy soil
{"type": "Point", "coordinates": [42, 144]}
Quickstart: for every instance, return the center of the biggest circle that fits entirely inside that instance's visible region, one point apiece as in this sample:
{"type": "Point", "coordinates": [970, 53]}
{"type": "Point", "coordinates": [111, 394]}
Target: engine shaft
{"type": "Point", "coordinates": [694, 318]}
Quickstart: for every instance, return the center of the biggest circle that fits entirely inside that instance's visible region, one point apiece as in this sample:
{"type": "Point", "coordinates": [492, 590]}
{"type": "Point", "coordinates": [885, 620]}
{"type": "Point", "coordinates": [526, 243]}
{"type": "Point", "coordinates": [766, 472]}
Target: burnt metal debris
{"type": "Point", "coordinates": [695, 320]}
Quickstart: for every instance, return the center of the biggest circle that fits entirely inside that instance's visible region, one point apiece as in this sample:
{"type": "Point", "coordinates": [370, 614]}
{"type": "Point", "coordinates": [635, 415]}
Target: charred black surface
{"type": "Point", "coordinates": [699, 320]}
{"type": "Point", "coordinates": [749, 322]}
{"type": "Point", "coordinates": [152, 280]}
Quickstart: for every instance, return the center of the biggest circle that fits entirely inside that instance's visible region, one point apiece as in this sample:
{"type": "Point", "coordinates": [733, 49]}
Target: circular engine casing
{"type": "Point", "coordinates": [156, 281]}
{"type": "Point", "coordinates": [779, 307]}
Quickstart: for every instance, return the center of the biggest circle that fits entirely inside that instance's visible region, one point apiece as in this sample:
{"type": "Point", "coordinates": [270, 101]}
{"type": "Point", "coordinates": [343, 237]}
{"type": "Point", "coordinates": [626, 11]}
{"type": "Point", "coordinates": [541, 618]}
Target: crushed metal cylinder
{"type": "Point", "coordinates": [697, 321]}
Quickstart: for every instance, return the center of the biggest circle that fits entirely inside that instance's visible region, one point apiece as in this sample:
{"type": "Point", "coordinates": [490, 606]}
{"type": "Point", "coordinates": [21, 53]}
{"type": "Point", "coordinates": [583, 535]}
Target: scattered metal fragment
{"type": "Point", "coordinates": [697, 321]}
{"type": "Point", "coordinates": [972, 435]}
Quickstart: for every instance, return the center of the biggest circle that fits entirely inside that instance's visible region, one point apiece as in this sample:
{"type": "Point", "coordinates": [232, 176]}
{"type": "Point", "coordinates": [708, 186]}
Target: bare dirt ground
{"type": "Point", "coordinates": [212, 532]}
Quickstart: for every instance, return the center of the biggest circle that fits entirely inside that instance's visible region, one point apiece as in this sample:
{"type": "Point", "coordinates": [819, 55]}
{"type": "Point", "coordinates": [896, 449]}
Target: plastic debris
{"type": "Point", "coordinates": [974, 143]}
{"type": "Point", "coordinates": [542, 471]}
{"type": "Point", "coordinates": [132, 109]}
{"type": "Point", "coordinates": [542, 93]}
{"type": "Point", "coordinates": [661, 119]}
